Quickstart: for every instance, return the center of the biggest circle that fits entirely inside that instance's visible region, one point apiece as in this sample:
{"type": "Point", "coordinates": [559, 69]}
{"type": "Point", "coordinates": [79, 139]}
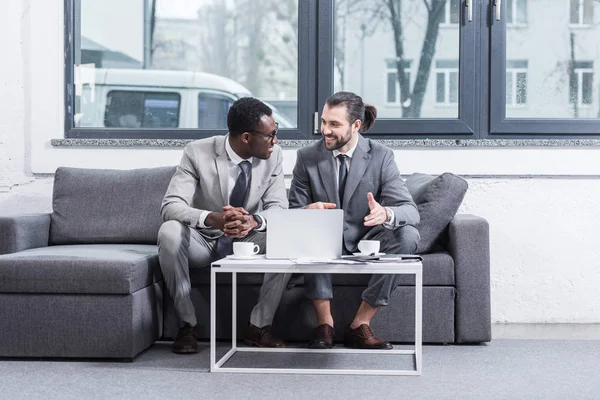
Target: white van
{"type": "Point", "coordinates": [130, 98]}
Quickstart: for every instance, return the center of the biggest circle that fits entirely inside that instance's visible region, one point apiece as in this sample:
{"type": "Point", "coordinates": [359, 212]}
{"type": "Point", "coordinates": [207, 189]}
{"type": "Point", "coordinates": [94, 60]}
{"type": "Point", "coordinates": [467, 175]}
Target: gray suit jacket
{"type": "Point", "coordinates": [200, 184]}
{"type": "Point", "coordinates": [372, 169]}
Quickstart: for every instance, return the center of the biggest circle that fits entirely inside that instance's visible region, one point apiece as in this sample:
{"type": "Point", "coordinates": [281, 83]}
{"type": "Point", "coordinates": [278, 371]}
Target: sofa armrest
{"type": "Point", "coordinates": [469, 245]}
{"type": "Point", "coordinates": [22, 232]}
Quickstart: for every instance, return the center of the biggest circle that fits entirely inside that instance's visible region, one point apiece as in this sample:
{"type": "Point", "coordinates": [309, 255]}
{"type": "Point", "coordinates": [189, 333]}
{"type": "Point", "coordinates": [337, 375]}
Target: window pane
{"type": "Point", "coordinates": [125, 109]}
{"type": "Point", "coordinates": [587, 88]}
{"type": "Point", "coordinates": [455, 11]}
{"type": "Point", "coordinates": [190, 48]}
{"type": "Point", "coordinates": [574, 11]}
{"type": "Point", "coordinates": [212, 111]}
{"type": "Point", "coordinates": [574, 88]}
{"type": "Point", "coordinates": [509, 88]}
{"type": "Point", "coordinates": [453, 87]}
{"type": "Point", "coordinates": [391, 81]}
{"type": "Point", "coordinates": [441, 88]}
{"type": "Point", "coordinates": [509, 11]}
{"type": "Point", "coordinates": [521, 88]}
{"type": "Point", "coordinates": [365, 40]}
{"type": "Point", "coordinates": [522, 11]}
{"type": "Point", "coordinates": [548, 87]}
{"type": "Point", "coordinates": [588, 12]}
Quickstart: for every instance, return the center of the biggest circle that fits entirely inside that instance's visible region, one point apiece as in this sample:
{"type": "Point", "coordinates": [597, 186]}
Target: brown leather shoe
{"type": "Point", "coordinates": [261, 337]}
{"type": "Point", "coordinates": [186, 341]}
{"type": "Point", "coordinates": [364, 338]}
{"type": "Point", "coordinates": [322, 337]}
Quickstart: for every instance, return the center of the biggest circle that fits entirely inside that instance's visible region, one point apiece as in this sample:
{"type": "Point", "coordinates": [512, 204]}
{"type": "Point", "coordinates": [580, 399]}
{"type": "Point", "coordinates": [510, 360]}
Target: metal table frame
{"type": "Point", "coordinates": [262, 265]}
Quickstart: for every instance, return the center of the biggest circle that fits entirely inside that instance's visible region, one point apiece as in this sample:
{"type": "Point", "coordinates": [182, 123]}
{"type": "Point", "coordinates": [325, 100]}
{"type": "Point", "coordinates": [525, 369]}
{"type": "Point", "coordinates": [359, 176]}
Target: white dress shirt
{"type": "Point", "coordinates": [389, 223]}
{"type": "Point", "coordinates": [234, 171]}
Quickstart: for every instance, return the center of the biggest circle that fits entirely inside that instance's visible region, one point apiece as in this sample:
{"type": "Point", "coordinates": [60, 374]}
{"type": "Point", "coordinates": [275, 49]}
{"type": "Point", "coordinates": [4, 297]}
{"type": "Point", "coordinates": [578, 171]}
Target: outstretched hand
{"type": "Point", "coordinates": [378, 214]}
{"type": "Point", "coordinates": [319, 205]}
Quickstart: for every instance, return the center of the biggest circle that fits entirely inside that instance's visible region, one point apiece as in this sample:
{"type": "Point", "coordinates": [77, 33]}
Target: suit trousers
{"type": "Point", "coordinates": [181, 248]}
{"type": "Point", "coordinates": [402, 240]}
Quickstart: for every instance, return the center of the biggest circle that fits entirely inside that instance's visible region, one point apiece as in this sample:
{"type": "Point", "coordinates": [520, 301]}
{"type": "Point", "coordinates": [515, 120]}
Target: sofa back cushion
{"type": "Point", "coordinates": [438, 199]}
{"type": "Point", "coordinates": [108, 206]}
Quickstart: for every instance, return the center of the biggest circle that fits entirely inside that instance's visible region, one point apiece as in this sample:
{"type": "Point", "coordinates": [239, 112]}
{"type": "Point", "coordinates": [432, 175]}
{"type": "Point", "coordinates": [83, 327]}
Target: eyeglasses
{"type": "Point", "coordinates": [271, 137]}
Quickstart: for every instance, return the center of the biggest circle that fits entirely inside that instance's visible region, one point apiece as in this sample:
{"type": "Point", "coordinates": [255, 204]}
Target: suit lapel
{"type": "Point", "coordinates": [327, 167]}
{"type": "Point", "coordinates": [358, 167]}
{"type": "Point", "coordinates": [221, 162]}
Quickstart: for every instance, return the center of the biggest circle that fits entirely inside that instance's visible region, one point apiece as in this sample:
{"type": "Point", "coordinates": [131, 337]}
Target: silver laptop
{"type": "Point", "coordinates": [304, 233]}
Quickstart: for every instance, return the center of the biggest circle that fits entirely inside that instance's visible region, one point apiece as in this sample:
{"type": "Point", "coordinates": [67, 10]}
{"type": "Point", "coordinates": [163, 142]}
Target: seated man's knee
{"type": "Point", "coordinates": [407, 239]}
{"type": "Point", "coordinates": [170, 234]}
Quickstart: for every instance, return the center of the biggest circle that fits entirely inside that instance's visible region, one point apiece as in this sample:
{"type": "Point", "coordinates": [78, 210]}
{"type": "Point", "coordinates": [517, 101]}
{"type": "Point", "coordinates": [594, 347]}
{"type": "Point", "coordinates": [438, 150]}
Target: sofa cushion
{"type": "Point", "coordinates": [108, 206]}
{"type": "Point", "coordinates": [97, 269]}
{"type": "Point", "coordinates": [438, 199]}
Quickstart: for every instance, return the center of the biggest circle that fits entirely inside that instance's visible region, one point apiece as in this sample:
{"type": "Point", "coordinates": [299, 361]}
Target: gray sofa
{"type": "Point", "coordinates": [84, 281]}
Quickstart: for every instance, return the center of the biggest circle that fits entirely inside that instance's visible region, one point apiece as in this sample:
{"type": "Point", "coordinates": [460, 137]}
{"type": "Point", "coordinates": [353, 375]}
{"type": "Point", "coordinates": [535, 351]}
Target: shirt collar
{"type": "Point", "coordinates": [349, 153]}
{"type": "Point", "coordinates": [233, 155]}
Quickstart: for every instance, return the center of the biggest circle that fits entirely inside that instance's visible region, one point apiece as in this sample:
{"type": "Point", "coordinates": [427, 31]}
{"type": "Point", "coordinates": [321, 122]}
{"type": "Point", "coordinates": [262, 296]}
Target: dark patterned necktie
{"type": "Point", "coordinates": [236, 199]}
{"type": "Point", "coordinates": [342, 176]}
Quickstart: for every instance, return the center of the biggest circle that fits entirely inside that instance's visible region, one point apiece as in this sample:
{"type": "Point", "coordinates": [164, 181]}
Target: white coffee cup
{"type": "Point", "coordinates": [368, 246]}
{"type": "Point", "coordinates": [245, 249]}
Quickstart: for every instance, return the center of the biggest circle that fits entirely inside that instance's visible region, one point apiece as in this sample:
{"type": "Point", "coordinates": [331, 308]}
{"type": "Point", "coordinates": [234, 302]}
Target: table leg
{"type": "Point", "coordinates": [234, 310]}
{"type": "Point", "coordinates": [213, 318]}
{"type": "Point", "coordinates": [418, 320]}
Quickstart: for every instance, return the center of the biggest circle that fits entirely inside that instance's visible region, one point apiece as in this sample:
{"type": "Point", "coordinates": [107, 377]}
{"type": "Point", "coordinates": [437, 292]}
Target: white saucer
{"type": "Point", "coordinates": [367, 254]}
{"type": "Point", "coordinates": [252, 257]}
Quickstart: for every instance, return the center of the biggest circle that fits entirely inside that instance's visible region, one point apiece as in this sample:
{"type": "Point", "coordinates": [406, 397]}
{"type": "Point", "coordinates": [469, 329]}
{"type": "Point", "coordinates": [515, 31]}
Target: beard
{"type": "Point", "coordinates": [338, 143]}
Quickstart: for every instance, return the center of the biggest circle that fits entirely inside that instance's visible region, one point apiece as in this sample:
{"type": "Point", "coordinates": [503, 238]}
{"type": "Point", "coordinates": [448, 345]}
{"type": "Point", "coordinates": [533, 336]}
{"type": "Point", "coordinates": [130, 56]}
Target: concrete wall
{"type": "Point", "coordinates": [541, 202]}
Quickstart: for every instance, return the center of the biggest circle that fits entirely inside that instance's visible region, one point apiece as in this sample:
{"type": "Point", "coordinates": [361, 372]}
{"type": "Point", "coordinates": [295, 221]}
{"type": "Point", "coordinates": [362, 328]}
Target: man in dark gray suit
{"type": "Point", "coordinates": [344, 168]}
{"type": "Point", "coordinates": [222, 192]}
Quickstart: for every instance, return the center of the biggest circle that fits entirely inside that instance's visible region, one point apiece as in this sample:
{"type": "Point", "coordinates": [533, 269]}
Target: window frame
{"type": "Point", "coordinates": [465, 126]}
{"type": "Point", "coordinates": [482, 100]}
{"type": "Point", "coordinates": [306, 102]}
{"type": "Point", "coordinates": [501, 127]}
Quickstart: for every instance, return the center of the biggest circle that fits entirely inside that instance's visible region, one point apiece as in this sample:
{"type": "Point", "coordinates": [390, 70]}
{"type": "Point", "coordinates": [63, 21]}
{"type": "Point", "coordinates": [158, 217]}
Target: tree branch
{"type": "Point", "coordinates": [427, 6]}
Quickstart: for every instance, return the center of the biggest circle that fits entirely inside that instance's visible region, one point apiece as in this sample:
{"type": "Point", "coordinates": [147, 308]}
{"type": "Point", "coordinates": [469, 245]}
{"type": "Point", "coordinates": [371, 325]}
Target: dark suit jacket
{"type": "Point", "coordinates": [372, 169]}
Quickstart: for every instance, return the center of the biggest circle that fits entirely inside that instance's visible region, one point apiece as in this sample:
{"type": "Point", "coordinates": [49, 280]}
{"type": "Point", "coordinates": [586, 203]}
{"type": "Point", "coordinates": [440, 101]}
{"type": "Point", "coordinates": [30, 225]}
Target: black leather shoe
{"type": "Point", "coordinates": [185, 342]}
{"type": "Point", "coordinates": [322, 337]}
{"type": "Point", "coordinates": [261, 337]}
{"type": "Point", "coordinates": [364, 338]}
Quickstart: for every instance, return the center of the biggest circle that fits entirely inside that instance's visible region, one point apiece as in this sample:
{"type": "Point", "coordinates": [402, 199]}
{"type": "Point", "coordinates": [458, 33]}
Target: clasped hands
{"type": "Point", "coordinates": [235, 222]}
{"type": "Point", "coordinates": [377, 216]}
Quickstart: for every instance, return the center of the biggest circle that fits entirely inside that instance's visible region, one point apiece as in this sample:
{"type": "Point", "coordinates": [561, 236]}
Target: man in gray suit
{"type": "Point", "coordinates": [221, 193]}
{"type": "Point", "coordinates": [344, 168]}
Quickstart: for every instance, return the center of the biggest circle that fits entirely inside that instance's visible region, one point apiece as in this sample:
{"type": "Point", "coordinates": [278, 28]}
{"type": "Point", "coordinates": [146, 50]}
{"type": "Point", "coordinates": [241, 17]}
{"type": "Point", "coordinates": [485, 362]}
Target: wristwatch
{"type": "Point", "coordinates": [258, 219]}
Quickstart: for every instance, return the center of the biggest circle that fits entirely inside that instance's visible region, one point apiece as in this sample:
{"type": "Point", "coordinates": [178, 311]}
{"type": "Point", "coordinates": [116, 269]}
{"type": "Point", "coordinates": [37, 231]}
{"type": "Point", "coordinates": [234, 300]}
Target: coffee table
{"type": "Point", "coordinates": [262, 265]}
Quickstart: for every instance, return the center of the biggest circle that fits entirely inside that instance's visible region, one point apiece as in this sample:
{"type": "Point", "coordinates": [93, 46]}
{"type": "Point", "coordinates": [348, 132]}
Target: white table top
{"type": "Point", "coordinates": [261, 264]}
